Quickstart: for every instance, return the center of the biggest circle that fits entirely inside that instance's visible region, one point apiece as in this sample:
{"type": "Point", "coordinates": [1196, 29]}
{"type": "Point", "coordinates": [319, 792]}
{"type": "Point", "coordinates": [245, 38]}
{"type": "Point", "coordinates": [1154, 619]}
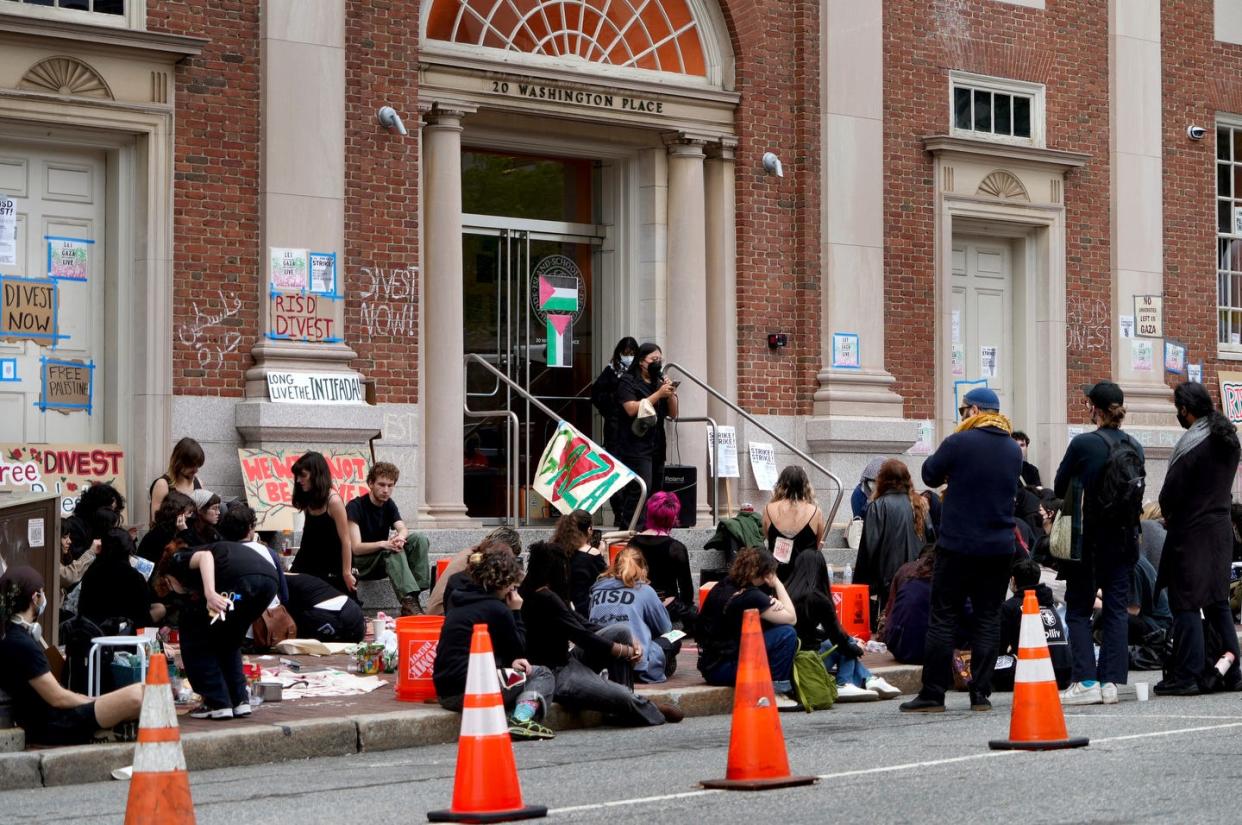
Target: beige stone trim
{"type": "Point", "coordinates": [149, 44]}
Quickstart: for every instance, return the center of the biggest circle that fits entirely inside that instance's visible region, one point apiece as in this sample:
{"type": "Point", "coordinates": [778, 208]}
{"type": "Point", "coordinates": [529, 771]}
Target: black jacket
{"type": "Point", "coordinates": [1084, 459]}
{"type": "Point", "coordinates": [111, 589]}
{"type": "Point", "coordinates": [552, 626]}
{"type": "Point", "coordinates": [604, 399]}
{"type": "Point", "coordinates": [668, 571]}
{"type": "Point", "coordinates": [470, 605]}
{"type": "Point", "coordinates": [584, 569]}
{"type": "Point", "coordinates": [818, 622]}
{"type": "Point", "coordinates": [1054, 631]}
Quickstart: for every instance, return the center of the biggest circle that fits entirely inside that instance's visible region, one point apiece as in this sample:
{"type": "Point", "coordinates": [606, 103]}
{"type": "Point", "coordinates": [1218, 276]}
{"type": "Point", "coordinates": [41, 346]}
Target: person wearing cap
{"type": "Point", "coordinates": [981, 464]}
{"type": "Point", "coordinates": [1109, 550]}
{"type": "Point", "coordinates": [1196, 501]}
{"type": "Point", "coordinates": [48, 713]}
{"type": "Point", "coordinates": [861, 496]}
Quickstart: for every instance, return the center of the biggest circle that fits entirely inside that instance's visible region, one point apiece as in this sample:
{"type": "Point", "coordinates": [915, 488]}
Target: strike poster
{"type": "Point", "coordinates": [575, 473]}
{"type": "Point", "coordinates": [763, 464]}
{"type": "Point", "coordinates": [728, 452]}
{"type": "Point", "coordinates": [267, 476]}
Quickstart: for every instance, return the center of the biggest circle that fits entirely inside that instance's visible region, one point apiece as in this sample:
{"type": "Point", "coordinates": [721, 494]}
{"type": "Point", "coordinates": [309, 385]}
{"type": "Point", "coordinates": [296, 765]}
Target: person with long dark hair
{"type": "Point", "coordinates": [326, 549]}
{"type": "Point", "coordinates": [551, 625]}
{"type": "Point", "coordinates": [1195, 502]}
{"type": "Point", "coordinates": [648, 397]}
{"type": "Point", "coordinates": [574, 534]}
{"type": "Point", "coordinates": [182, 474]}
{"type": "Point", "coordinates": [894, 530]}
{"type": "Point", "coordinates": [93, 516]}
{"type": "Point", "coordinates": [604, 399]}
{"type": "Point", "coordinates": [113, 589]}
{"type": "Point", "coordinates": [177, 512]}
{"type": "Point", "coordinates": [792, 521]}
{"type": "Point", "coordinates": [48, 713]}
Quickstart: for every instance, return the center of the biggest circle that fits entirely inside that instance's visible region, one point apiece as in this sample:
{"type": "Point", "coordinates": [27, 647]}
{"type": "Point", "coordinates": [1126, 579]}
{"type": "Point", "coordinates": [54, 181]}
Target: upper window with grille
{"type": "Point", "coordinates": [996, 109]}
{"type": "Point", "coordinates": [120, 13]}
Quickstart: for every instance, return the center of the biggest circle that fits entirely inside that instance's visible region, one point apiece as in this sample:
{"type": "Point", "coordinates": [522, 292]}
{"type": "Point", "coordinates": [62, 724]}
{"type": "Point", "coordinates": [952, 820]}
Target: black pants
{"type": "Point", "coordinates": [1189, 656]}
{"type": "Point", "coordinates": [957, 577]}
{"type": "Point", "coordinates": [211, 653]}
{"type": "Point", "coordinates": [651, 470]}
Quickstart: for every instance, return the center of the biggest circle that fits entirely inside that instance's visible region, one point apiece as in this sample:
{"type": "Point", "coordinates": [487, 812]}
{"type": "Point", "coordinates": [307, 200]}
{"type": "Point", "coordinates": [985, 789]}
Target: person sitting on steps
{"type": "Point", "coordinates": [382, 546]}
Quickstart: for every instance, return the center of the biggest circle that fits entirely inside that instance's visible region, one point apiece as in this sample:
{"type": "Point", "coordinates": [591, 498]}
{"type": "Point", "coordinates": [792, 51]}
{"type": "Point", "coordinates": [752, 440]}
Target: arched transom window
{"type": "Point", "coordinates": [652, 35]}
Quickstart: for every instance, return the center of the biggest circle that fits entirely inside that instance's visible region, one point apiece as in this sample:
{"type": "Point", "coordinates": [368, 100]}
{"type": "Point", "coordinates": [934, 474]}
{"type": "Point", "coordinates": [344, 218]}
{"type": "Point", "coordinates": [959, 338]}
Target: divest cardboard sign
{"type": "Point", "coordinates": [63, 469]}
{"type": "Point", "coordinates": [267, 476]}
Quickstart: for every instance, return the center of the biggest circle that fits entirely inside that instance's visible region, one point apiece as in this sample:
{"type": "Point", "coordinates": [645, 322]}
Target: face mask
{"type": "Point", "coordinates": [653, 369]}
{"type": "Point", "coordinates": [626, 360]}
{"type": "Point", "coordinates": [1181, 419]}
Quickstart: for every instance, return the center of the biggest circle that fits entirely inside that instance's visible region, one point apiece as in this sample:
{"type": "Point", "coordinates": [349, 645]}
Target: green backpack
{"type": "Point", "coordinates": [814, 686]}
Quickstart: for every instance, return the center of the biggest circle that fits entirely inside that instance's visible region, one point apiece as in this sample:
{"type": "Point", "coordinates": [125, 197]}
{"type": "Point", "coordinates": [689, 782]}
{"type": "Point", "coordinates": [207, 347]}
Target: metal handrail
{"type": "Point", "coordinates": [517, 388]}
{"type": "Point", "coordinates": [707, 419]}
{"type": "Point", "coordinates": [511, 502]}
{"type": "Point", "coordinates": [836, 504]}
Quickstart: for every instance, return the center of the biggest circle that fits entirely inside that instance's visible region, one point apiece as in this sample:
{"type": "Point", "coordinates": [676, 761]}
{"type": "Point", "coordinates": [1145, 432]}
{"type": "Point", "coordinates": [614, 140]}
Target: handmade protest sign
{"type": "Point", "coordinates": [67, 386]}
{"type": "Point", "coordinates": [63, 469]}
{"type": "Point", "coordinates": [267, 476]}
{"type": "Point", "coordinates": [575, 473]}
{"type": "Point", "coordinates": [1231, 395]}
{"type": "Point", "coordinates": [302, 317]}
{"type": "Point", "coordinates": [28, 309]}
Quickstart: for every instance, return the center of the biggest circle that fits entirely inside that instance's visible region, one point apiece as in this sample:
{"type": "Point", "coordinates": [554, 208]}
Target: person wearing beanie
{"type": "Point", "coordinates": [981, 464]}
{"type": "Point", "coordinates": [206, 518]}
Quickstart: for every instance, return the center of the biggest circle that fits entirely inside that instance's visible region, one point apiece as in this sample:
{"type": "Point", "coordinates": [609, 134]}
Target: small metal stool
{"type": "Point", "coordinates": [93, 666]}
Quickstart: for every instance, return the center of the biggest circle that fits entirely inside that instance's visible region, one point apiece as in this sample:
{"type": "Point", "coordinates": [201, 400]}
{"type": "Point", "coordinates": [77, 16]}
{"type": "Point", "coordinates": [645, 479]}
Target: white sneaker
{"type": "Point", "coordinates": [882, 687]}
{"type": "Point", "coordinates": [785, 703]}
{"type": "Point", "coordinates": [853, 693]}
{"type": "Point", "coordinates": [1108, 693]}
{"type": "Point", "coordinates": [204, 712]}
{"type": "Point", "coordinates": [1077, 694]}
{"type": "Point", "coordinates": [242, 710]}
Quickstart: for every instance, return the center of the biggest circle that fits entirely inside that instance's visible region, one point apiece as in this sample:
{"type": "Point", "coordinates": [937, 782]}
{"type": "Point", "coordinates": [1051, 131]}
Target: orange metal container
{"type": "Point", "coordinates": [614, 550]}
{"type": "Point", "coordinates": [853, 603]}
{"type": "Point", "coordinates": [703, 591]}
{"type": "Point", "coordinates": [417, 640]}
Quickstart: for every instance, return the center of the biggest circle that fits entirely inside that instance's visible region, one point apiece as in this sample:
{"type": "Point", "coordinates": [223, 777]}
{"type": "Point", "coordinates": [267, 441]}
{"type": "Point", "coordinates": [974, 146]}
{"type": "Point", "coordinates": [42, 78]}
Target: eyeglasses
{"type": "Point", "coordinates": [961, 411]}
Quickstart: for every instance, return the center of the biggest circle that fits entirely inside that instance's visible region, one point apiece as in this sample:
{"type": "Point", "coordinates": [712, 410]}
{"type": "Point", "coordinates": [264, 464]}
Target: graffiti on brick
{"type": "Point", "coordinates": [1087, 325]}
{"type": "Point", "coordinates": [207, 336]}
{"type": "Point", "coordinates": [388, 301]}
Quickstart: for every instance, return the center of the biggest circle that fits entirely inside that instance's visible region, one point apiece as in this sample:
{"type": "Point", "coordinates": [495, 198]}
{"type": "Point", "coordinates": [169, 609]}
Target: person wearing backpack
{"type": "Point", "coordinates": [1195, 502]}
{"type": "Point", "coordinates": [1110, 467]}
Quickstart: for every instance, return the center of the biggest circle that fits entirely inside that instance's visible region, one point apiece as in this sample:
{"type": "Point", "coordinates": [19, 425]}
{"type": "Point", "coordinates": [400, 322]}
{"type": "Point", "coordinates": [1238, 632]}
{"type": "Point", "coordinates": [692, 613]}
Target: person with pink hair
{"type": "Point", "coordinates": [668, 562]}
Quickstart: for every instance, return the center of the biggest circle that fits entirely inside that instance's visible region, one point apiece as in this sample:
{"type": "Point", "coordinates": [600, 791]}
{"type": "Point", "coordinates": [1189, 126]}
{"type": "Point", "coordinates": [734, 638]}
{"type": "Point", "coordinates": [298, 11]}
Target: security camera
{"type": "Point", "coordinates": [1196, 132]}
{"type": "Point", "coordinates": [772, 164]}
{"type": "Point", "coordinates": [390, 120]}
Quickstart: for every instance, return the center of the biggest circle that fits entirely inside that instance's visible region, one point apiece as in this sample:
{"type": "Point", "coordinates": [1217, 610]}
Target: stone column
{"type": "Point", "coordinates": [444, 347]}
{"type": "Point", "coordinates": [721, 261]}
{"type": "Point", "coordinates": [686, 296]}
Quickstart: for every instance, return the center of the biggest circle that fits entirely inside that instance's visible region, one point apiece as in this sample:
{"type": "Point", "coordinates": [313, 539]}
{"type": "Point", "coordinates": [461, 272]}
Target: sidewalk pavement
{"type": "Point", "coordinates": [339, 726]}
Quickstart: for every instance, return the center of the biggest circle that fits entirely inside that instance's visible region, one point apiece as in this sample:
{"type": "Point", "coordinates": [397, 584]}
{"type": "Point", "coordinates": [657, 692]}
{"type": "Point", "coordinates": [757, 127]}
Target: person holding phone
{"type": "Point", "coordinates": [623, 596]}
{"type": "Point", "coordinates": [648, 398]}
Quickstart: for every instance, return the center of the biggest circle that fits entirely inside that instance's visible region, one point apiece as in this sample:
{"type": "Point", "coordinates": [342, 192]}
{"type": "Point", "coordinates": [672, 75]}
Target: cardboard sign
{"type": "Point", "coordinates": [1231, 395]}
{"type": "Point", "coordinates": [28, 309]}
{"type": "Point", "coordinates": [302, 317]}
{"type": "Point", "coordinates": [763, 464]}
{"type": "Point", "coordinates": [728, 452]}
{"type": "Point", "coordinates": [575, 473]}
{"type": "Point", "coordinates": [63, 469]}
{"type": "Point", "coordinates": [1149, 315]}
{"type": "Point", "coordinates": [315, 388]}
{"type": "Point", "coordinates": [67, 386]}
{"type": "Point", "coordinates": [267, 476]}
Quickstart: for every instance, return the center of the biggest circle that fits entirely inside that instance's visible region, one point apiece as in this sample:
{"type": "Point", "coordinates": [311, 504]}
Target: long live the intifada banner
{"type": "Point", "coordinates": [64, 469]}
{"type": "Point", "coordinates": [268, 478]}
{"type": "Point", "coordinates": [574, 473]}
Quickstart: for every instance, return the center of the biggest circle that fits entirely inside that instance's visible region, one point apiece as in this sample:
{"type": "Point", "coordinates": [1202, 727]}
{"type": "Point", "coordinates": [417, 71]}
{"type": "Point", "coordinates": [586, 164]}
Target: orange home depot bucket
{"type": "Point", "coordinates": [417, 640]}
{"type": "Point", "coordinates": [614, 550]}
{"type": "Point", "coordinates": [441, 566]}
{"type": "Point", "coordinates": [703, 591]}
{"type": "Point", "coordinates": [853, 603]}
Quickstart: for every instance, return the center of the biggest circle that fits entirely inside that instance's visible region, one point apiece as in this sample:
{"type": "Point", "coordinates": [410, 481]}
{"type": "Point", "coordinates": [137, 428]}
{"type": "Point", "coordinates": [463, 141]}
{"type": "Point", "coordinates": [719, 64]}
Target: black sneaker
{"type": "Point", "coordinates": [1167, 688]}
{"type": "Point", "coordinates": [920, 705]}
{"type": "Point", "coordinates": [980, 703]}
{"type": "Point", "coordinates": [204, 712]}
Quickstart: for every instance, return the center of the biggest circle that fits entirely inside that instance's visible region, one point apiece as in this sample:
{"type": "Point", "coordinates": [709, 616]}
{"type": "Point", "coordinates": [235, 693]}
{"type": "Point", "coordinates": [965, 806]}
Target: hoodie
{"type": "Point", "coordinates": [639, 606]}
{"type": "Point", "coordinates": [1054, 631]}
{"type": "Point", "coordinates": [469, 605]}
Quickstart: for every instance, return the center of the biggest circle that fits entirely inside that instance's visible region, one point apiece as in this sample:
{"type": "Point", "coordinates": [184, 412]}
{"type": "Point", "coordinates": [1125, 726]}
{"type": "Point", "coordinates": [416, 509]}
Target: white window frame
{"type": "Point", "coordinates": [1020, 88]}
{"type": "Point", "coordinates": [135, 16]}
{"type": "Point", "coordinates": [1224, 349]}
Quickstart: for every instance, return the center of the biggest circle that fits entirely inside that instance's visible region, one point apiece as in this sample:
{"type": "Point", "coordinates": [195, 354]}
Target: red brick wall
{"type": "Point", "coordinates": [381, 196]}
{"type": "Point", "coordinates": [215, 194]}
{"type": "Point", "coordinates": [778, 261]}
{"type": "Point", "coordinates": [1201, 77]}
{"type": "Point", "coordinates": [1064, 47]}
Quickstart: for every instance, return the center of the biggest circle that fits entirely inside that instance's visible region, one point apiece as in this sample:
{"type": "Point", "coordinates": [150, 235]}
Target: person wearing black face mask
{"type": "Point", "coordinates": [604, 399]}
{"type": "Point", "coordinates": [1195, 502]}
{"type": "Point", "coordinates": [647, 397]}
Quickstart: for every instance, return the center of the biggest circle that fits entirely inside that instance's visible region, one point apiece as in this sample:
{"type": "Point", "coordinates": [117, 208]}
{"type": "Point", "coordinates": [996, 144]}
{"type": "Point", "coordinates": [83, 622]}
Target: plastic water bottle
{"type": "Point", "coordinates": [832, 576]}
{"type": "Point", "coordinates": [1224, 663]}
{"type": "Point", "coordinates": [849, 575]}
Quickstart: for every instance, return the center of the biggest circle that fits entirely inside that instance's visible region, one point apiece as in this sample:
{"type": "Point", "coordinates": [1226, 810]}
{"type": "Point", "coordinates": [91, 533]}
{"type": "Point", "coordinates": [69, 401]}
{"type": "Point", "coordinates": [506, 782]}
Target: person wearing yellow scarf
{"type": "Point", "coordinates": [986, 419]}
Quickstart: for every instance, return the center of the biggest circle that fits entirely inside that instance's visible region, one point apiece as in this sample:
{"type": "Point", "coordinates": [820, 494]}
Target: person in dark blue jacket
{"type": "Point", "coordinates": [981, 464]}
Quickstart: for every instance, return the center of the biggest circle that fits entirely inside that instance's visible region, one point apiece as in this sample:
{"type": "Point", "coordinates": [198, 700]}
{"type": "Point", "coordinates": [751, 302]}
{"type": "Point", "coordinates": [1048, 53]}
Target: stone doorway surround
{"type": "Point", "coordinates": [1010, 192]}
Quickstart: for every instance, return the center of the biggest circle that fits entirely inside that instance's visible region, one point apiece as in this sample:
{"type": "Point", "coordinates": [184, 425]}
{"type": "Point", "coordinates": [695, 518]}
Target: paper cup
{"type": "Point", "coordinates": [1140, 688]}
{"type": "Point", "coordinates": [377, 627]}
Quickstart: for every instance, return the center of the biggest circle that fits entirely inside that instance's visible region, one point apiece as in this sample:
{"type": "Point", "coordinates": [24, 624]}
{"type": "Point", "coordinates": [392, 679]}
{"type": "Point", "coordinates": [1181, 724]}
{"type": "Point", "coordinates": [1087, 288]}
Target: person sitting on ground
{"type": "Point", "coordinates": [227, 587]}
{"type": "Point", "coordinates": [752, 583]}
{"type": "Point", "coordinates": [487, 593]}
{"type": "Point", "coordinates": [46, 711]}
{"type": "Point", "coordinates": [1235, 518]}
{"type": "Point", "coordinates": [1030, 473]}
{"type": "Point", "coordinates": [182, 475]}
{"type": "Point", "coordinates": [1026, 576]}
{"type": "Point", "coordinates": [576, 537]}
{"type": "Point", "coordinates": [623, 596]}
{"type": "Point", "coordinates": [85, 525]}
{"type": "Point", "coordinates": [1151, 621]}
{"type": "Point", "coordinates": [894, 531]}
{"type": "Point", "coordinates": [71, 570]}
{"type": "Point", "coordinates": [322, 612]}
{"type": "Point", "coordinates": [382, 546]}
{"type": "Point", "coordinates": [458, 563]}
{"type": "Point", "coordinates": [1152, 534]}
{"type": "Point", "coordinates": [204, 526]}
{"type": "Point", "coordinates": [667, 560]}
{"type": "Point", "coordinates": [551, 625]}
{"type": "Point", "coordinates": [113, 589]}
{"type": "Point", "coordinates": [907, 611]}
{"type": "Point", "coordinates": [819, 630]}
{"type": "Point", "coordinates": [172, 521]}
{"type": "Point", "coordinates": [792, 521]}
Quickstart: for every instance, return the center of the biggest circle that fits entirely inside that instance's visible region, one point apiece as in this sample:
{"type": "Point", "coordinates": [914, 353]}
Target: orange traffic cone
{"type": "Point", "coordinates": [159, 792]}
{"type": "Point", "coordinates": [757, 760]}
{"type": "Point", "coordinates": [486, 788]}
{"type": "Point", "coordinates": [1036, 723]}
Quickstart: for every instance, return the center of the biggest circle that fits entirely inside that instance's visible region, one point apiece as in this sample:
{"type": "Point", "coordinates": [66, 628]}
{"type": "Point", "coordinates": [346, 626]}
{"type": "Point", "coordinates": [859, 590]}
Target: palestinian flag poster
{"type": "Point", "coordinates": [560, 340]}
{"type": "Point", "coordinates": [574, 473]}
{"type": "Point", "coordinates": [558, 293]}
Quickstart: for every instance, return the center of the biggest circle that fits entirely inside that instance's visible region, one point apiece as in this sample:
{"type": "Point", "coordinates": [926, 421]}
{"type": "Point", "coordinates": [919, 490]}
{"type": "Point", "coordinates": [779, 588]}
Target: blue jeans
{"type": "Point", "coordinates": [781, 643]}
{"type": "Point", "coordinates": [849, 671]}
{"type": "Point", "coordinates": [1110, 574]}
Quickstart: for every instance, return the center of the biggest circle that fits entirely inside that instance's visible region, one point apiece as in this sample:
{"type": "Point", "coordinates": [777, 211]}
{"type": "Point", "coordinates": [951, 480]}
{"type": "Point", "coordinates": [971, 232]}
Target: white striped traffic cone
{"type": "Point", "coordinates": [486, 788]}
{"type": "Point", "coordinates": [159, 793]}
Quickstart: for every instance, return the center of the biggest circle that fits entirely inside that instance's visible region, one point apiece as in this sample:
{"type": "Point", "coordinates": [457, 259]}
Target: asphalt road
{"type": "Point", "coordinates": [1163, 761]}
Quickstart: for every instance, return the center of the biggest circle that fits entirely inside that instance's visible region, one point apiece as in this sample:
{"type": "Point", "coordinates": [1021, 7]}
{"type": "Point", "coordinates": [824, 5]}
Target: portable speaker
{"type": "Point", "coordinates": [682, 481]}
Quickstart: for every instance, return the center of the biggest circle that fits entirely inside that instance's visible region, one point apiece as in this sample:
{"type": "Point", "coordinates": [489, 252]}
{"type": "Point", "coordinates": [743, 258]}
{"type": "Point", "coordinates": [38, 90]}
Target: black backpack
{"type": "Point", "coordinates": [1121, 483]}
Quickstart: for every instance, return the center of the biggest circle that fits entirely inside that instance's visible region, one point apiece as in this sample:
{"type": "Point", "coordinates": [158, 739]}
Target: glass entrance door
{"type": "Point", "coordinates": [528, 312]}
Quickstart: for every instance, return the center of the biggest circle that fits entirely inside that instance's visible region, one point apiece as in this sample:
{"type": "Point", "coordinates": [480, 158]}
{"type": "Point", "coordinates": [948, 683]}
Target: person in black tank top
{"type": "Point", "coordinates": [794, 488]}
{"type": "Point", "coordinates": [326, 550]}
